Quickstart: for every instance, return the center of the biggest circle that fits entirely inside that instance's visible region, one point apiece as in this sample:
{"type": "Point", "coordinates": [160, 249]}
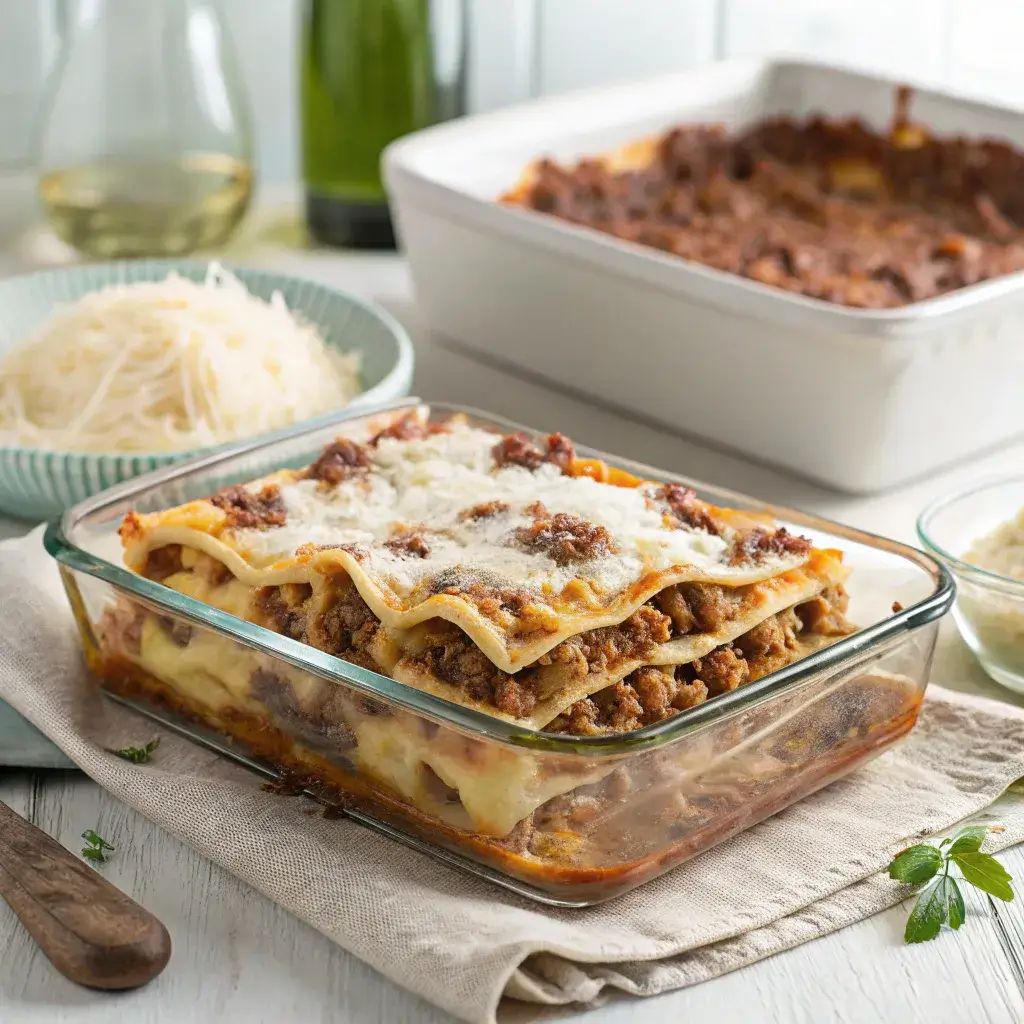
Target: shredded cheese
{"type": "Point", "coordinates": [169, 366]}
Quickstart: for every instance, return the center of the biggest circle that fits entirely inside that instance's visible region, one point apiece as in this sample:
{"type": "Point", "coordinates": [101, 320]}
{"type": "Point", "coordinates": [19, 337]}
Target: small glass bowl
{"type": "Point", "coordinates": [989, 608]}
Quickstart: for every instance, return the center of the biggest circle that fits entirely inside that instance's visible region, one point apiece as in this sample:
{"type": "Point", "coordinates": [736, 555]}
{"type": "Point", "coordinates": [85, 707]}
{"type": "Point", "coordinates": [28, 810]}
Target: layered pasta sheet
{"type": "Point", "coordinates": [502, 573]}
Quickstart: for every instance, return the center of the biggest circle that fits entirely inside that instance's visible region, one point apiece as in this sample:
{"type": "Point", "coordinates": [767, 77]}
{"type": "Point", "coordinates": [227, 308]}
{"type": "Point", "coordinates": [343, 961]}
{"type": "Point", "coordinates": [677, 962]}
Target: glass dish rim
{"type": "Point", "coordinates": [373, 684]}
{"type": "Point", "coordinates": [983, 577]}
{"type": "Point", "coordinates": [365, 401]}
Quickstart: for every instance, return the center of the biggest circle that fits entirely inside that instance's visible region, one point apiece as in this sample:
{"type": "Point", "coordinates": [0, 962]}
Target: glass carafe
{"type": "Point", "coordinates": [146, 144]}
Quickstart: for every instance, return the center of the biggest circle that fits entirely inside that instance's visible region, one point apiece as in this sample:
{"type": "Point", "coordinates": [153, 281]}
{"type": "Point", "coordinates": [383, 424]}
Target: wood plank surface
{"type": "Point", "coordinates": [242, 958]}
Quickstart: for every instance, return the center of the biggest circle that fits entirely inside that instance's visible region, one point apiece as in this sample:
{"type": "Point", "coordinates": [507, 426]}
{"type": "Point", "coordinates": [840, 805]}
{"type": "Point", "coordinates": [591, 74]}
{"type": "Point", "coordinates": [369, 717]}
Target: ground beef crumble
{"type": "Point", "coordinates": [409, 427]}
{"type": "Point", "coordinates": [561, 452]}
{"type": "Point", "coordinates": [249, 510]}
{"type": "Point", "coordinates": [318, 718]}
{"type": "Point", "coordinates": [284, 608]}
{"type": "Point", "coordinates": [713, 605]}
{"type": "Point", "coordinates": [757, 544]}
{"type": "Point", "coordinates": [699, 607]}
{"type": "Point", "coordinates": [722, 670]}
{"type": "Point", "coordinates": [563, 537]}
{"type": "Point", "coordinates": [346, 626]}
{"type": "Point", "coordinates": [826, 613]}
{"type": "Point", "coordinates": [485, 510]}
{"type": "Point", "coordinates": [685, 509]}
{"type": "Point", "coordinates": [490, 600]}
{"type": "Point", "coordinates": [181, 633]}
{"type": "Point", "coordinates": [163, 562]}
{"type": "Point", "coordinates": [770, 645]}
{"type": "Point", "coordinates": [408, 544]}
{"type": "Point", "coordinates": [600, 650]}
{"type": "Point", "coordinates": [453, 657]}
{"type": "Point", "coordinates": [653, 693]}
{"type": "Point", "coordinates": [338, 461]}
{"type": "Point", "coordinates": [519, 449]}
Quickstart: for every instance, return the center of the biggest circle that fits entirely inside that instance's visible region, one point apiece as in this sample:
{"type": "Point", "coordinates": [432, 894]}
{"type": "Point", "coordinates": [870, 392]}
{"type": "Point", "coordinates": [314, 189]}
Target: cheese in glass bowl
{"type": "Point", "coordinates": [979, 533]}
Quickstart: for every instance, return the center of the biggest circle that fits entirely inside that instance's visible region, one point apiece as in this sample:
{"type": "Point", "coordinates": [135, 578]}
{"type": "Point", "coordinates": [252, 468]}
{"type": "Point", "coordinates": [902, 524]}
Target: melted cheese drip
{"type": "Point", "coordinates": [497, 786]}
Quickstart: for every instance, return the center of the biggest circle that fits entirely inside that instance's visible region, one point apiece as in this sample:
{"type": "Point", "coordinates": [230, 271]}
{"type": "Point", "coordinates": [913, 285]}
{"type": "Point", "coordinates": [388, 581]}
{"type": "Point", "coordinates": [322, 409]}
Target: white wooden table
{"type": "Point", "coordinates": [239, 957]}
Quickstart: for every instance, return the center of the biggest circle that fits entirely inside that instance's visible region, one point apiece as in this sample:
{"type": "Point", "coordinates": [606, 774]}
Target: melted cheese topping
{"type": "Point", "coordinates": [429, 484]}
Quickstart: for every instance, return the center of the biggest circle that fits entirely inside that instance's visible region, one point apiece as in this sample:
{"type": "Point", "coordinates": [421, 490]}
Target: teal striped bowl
{"type": "Point", "coordinates": [37, 484]}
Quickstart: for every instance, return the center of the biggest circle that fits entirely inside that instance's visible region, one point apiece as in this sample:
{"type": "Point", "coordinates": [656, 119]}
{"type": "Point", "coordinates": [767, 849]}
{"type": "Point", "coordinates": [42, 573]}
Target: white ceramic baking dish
{"type": "Point", "coordinates": [860, 400]}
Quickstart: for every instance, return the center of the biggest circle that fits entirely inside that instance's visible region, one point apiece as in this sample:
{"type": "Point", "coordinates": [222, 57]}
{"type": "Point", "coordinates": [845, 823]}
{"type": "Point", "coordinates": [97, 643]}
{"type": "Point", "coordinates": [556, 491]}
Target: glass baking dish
{"type": "Point", "coordinates": [601, 814]}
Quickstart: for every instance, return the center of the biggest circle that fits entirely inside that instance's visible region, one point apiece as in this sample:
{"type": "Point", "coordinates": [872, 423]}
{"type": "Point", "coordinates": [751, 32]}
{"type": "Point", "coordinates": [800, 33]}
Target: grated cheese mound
{"type": "Point", "coordinates": [170, 365]}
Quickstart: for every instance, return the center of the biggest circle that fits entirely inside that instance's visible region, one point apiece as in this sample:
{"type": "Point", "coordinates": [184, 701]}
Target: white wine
{"type": "Point", "coordinates": [119, 208]}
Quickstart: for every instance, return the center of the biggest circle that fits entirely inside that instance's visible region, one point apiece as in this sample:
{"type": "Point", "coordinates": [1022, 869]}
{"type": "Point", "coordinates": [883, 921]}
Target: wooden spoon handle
{"type": "Point", "coordinates": [90, 931]}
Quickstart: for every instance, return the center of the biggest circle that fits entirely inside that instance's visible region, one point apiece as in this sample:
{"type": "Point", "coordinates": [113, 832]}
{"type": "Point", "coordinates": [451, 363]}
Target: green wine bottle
{"type": "Point", "coordinates": [369, 75]}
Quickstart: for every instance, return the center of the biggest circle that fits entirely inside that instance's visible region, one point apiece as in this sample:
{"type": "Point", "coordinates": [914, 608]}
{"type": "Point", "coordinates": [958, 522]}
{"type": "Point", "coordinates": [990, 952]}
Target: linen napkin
{"type": "Point", "coordinates": [465, 944]}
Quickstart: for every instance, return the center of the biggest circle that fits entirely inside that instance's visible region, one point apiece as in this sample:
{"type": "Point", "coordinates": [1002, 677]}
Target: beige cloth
{"type": "Point", "coordinates": [463, 943]}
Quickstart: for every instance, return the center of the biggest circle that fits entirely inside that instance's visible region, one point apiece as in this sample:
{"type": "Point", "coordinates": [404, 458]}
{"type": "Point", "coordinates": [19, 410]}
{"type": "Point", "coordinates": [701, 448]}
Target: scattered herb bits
{"type": "Point", "coordinates": [137, 755]}
{"type": "Point", "coordinates": [940, 901]}
{"type": "Point", "coordinates": [96, 848]}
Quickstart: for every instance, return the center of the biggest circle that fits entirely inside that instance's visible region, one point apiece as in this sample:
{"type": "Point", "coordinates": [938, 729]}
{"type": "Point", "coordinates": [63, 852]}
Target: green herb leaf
{"type": "Point", "coordinates": [916, 864]}
{"type": "Point", "coordinates": [941, 899]}
{"type": "Point", "coordinates": [929, 913]}
{"type": "Point", "coordinates": [97, 847]}
{"type": "Point", "coordinates": [954, 901]}
{"type": "Point", "coordinates": [984, 872]}
{"type": "Point", "coordinates": [94, 839]}
{"type": "Point", "coordinates": [967, 840]}
{"type": "Point", "coordinates": [137, 755]}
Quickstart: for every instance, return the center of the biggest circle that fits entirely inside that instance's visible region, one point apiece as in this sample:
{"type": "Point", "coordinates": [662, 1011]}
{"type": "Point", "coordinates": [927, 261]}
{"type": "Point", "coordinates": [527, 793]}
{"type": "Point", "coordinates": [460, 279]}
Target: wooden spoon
{"type": "Point", "coordinates": [90, 931]}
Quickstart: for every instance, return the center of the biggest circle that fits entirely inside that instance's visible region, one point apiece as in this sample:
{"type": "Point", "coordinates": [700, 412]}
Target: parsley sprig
{"type": "Point", "coordinates": [940, 901]}
{"type": "Point", "coordinates": [96, 848]}
{"type": "Point", "coordinates": [137, 755]}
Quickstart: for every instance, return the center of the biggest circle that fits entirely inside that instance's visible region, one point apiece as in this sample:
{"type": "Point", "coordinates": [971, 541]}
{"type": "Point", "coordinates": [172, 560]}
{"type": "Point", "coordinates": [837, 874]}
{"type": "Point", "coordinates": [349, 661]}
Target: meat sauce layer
{"type": "Point", "coordinates": [347, 628]}
{"type": "Point", "coordinates": [824, 208]}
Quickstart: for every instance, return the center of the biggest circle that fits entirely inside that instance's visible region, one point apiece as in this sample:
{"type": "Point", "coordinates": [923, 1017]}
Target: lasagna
{"type": "Point", "coordinates": [501, 573]}
{"type": "Point", "coordinates": [824, 208]}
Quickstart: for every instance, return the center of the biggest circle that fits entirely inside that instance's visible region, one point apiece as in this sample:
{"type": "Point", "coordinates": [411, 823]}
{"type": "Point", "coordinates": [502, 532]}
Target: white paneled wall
{"type": "Point", "coordinates": [985, 49]}
{"type": "Point", "coordinates": [897, 37]}
{"type": "Point", "coordinates": [590, 42]}
{"type": "Point", "coordinates": [523, 48]}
